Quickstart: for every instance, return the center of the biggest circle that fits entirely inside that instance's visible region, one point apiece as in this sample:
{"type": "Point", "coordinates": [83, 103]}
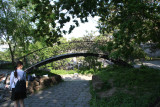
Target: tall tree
{"type": "Point", "coordinates": [14, 27]}
{"type": "Point", "coordinates": [132, 22]}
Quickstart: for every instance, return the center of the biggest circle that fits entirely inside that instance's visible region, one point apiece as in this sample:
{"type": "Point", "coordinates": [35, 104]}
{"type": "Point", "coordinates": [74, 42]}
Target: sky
{"type": "Point", "coordinates": [83, 27]}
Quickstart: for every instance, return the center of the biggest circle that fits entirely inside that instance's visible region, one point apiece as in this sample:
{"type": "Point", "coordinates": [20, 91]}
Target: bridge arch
{"type": "Point", "coordinates": [64, 56]}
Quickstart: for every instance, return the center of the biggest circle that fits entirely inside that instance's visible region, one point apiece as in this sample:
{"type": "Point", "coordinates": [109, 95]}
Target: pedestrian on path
{"type": "Point", "coordinates": [15, 77]}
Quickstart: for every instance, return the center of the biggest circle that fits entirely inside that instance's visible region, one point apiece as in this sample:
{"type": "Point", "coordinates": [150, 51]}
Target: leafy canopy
{"type": "Point", "coordinates": [131, 22]}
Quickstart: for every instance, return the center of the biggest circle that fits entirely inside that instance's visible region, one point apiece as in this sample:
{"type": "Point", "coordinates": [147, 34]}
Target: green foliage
{"type": "Point", "coordinates": [87, 71]}
{"type": "Point", "coordinates": [91, 62]}
{"type": "Point", "coordinates": [142, 85]}
{"type": "Point", "coordinates": [52, 72]}
{"type": "Point", "coordinates": [130, 22]}
{"type": "Point", "coordinates": [131, 25]}
{"type": "Point", "coordinates": [5, 56]}
{"type": "Point", "coordinates": [15, 28]}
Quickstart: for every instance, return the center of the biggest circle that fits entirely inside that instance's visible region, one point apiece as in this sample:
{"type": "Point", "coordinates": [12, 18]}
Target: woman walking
{"type": "Point", "coordinates": [16, 76]}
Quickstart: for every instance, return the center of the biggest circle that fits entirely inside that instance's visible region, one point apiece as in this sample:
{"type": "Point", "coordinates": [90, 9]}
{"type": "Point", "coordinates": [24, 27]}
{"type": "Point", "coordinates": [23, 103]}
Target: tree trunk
{"type": "Point", "coordinates": [12, 54]}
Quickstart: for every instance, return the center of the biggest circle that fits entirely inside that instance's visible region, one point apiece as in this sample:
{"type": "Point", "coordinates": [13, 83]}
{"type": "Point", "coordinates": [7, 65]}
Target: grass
{"type": "Point", "coordinates": [63, 72]}
{"type": "Point", "coordinates": [86, 71]}
{"type": "Point", "coordinates": [142, 85]}
{"type": "Point", "coordinates": [52, 72]}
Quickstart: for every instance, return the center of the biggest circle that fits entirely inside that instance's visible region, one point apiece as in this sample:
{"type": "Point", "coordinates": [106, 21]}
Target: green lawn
{"type": "Point", "coordinates": [53, 72]}
{"type": "Point", "coordinates": [63, 72]}
{"type": "Point", "coordinates": [134, 87]}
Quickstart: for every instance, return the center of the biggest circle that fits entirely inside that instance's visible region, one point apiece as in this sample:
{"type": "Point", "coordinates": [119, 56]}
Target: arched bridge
{"type": "Point", "coordinates": [64, 48]}
{"type": "Point", "coordinates": [46, 55]}
{"type": "Point", "coordinates": [59, 57]}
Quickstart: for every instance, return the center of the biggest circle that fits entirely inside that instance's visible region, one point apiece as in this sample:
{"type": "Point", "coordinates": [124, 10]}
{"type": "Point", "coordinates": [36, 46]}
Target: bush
{"type": "Point", "coordinates": [142, 85]}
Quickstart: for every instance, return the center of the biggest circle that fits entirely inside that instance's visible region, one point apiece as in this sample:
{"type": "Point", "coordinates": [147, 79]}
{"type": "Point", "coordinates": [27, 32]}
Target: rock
{"type": "Point", "coordinates": [47, 82]}
{"type": "Point", "coordinates": [36, 83]}
{"type": "Point", "coordinates": [30, 84]}
{"type": "Point", "coordinates": [58, 78]}
{"type": "Point", "coordinates": [42, 79]}
{"type": "Point", "coordinates": [37, 88]}
{"type": "Point", "coordinates": [75, 75]}
{"type": "Point", "coordinates": [97, 83]}
{"type": "Point", "coordinates": [30, 90]}
{"type": "Point", "coordinates": [43, 82]}
{"type": "Point", "coordinates": [53, 79]}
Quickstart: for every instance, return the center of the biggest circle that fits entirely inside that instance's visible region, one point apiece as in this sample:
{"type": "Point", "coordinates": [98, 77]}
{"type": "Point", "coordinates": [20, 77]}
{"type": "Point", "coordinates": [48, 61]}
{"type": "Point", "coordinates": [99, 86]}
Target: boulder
{"type": "Point", "coordinates": [41, 83]}
{"type": "Point", "coordinates": [47, 82]}
{"type": "Point", "coordinates": [58, 78]}
{"type": "Point", "coordinates": [30, 90]}
{"type": "Point", "coordinates": [36, 83]}
{"type": "Point", "coordinates": [41, 80]}
{"type": "Point", "coordinates": [37, 88]}
{"type": "Point", "coordinates": [53, 79]}
{"type": "Point", "coordinates": [97, 83]}
{"type": "Point", "coordinates": [30, 84]}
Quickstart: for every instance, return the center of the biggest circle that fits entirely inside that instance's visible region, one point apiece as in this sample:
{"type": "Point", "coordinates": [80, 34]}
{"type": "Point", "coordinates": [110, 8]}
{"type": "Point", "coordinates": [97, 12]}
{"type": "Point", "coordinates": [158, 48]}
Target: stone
{"type": "Point", "coordinates": [37, 88]}
{"type": "Point", "coordinates": [41, 80]}
{"type": "Point", "coordinates": [36, 83]}
{"type": "Point", "coordinates": [30, 84]}
{"type": "Point", "coordinates": [30, 90]}
{"type": "Point", "coordinates": [58, 78]}
{"type": "Point", "coordinates": [47, 82]}
{"type": "Point", "coordinates": [53, 79]}
{"type": "Point", "coordinates": [97, 83]}
{"type": "Point", "coordinates": [40, 83]}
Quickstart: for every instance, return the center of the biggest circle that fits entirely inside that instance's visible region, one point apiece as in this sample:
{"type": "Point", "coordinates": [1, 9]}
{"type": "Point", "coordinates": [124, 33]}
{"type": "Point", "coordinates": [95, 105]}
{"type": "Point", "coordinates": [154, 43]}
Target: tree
{"type": "Point", "coordinates": [15, 29]}
{"type": "Point", "coordinates": [130, 21]}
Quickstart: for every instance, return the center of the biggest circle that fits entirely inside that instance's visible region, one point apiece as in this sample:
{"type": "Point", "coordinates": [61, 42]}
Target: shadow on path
{"type": "Point", "coordinates": [72, 93]}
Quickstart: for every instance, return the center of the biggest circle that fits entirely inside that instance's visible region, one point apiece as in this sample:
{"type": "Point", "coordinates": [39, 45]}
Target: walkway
{"type": "Point", "coordinates": [153, 64]}
{"type": "Point", "coordinates": [74, 92]}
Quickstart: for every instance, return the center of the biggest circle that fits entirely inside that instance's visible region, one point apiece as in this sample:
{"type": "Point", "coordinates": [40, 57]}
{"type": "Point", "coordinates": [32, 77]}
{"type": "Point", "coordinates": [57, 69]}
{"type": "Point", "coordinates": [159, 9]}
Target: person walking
{"type": "Point", "coordinates": [15, 77]}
